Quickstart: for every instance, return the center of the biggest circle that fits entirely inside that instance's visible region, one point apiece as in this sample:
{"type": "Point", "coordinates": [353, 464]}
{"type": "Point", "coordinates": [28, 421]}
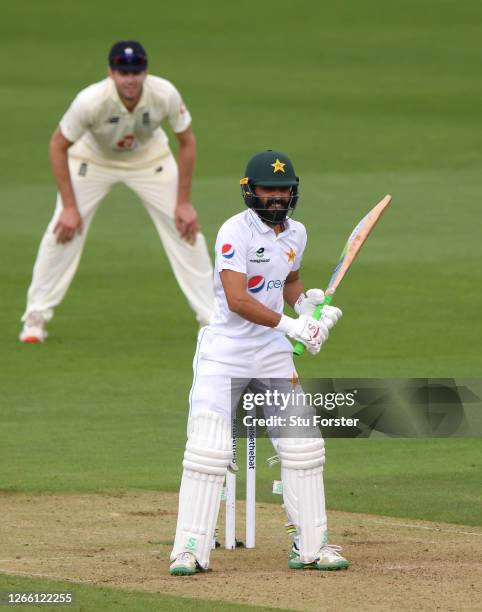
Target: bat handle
{"type": "Point", "coordinates": [299, 348]}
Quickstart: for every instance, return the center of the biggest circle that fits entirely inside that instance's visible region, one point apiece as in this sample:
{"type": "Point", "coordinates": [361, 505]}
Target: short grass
{"type": "Point", "coordinates": [87, 598]}
{"type": "Point", "coordinates": [103, 404]}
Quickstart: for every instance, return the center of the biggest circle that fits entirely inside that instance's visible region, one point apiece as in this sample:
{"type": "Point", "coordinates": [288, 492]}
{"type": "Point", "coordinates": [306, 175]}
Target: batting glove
{"type": "Point", "coordinates": [306, 305]}
{"type": "Point", "coordinates": [309, 331]}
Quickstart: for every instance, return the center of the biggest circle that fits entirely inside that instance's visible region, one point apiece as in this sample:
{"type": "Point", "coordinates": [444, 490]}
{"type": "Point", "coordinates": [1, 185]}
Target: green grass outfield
{"type": "Point", "coordinates": [367, 99]}
{"type": "Point", "coordinates": [115, 600]}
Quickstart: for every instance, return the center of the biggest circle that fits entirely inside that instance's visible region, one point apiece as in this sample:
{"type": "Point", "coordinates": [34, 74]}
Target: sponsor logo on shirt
{"type": "Point", "coordinates": [113, 120]}
{"type": "Point", "coordinates": [258, 283]}
{"type": "Point", "coordinates": [259, 254]}
{"type": "Point", "coordinates": [127, 143]}
{"type": "Point", "coordinates": [146, 119]}
{"type": "Point", "coordinates": [227, 251]}
{"type": "Point", "coordinates": [275, 284]}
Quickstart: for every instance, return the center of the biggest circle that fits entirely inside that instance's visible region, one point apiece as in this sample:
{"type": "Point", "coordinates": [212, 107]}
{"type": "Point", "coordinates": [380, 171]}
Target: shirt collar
{"type": "Point", "coordinates": [264, 227]}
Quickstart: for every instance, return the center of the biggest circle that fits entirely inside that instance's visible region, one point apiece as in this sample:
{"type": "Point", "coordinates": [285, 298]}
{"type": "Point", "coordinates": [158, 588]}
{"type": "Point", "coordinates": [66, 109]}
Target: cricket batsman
{"type": "Point", "coordinates": [257, 263]}
{"type": "Point", "coordinates": [112, 134]}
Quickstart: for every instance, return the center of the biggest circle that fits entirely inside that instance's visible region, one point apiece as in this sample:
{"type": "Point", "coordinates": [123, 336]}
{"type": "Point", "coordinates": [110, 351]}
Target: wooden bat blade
{"type": "Point", "coordinates": [355, 242]}
{"type": "Point", "coordinates": [353, 245]}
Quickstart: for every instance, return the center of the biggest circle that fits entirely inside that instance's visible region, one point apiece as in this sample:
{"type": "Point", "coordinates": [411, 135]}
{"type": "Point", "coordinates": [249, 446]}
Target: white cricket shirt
{"type": "Point", "coordinates": [245, 244]}
{"type": "Point", "coordinates": [106, 133]}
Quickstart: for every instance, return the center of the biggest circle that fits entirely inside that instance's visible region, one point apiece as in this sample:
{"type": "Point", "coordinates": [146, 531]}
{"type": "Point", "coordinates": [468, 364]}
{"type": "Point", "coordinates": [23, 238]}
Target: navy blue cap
{"type": "Point", "coordinates": [128, 56]}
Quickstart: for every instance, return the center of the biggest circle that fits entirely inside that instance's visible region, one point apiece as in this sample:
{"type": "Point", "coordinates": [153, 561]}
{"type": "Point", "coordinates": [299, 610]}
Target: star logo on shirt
{"type": "Point", "coordinates": [278, 166]}
{"type": "Point", "coordinates": [291, 255]}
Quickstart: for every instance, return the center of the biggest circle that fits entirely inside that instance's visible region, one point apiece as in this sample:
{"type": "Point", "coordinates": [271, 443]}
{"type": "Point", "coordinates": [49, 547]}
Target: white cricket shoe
{"type": "Point", "coordinates": [184, 564]}
{"type": "Point", "coordinates": [329, 559]}
{"type": "Point", "coordinates": [34, 329]}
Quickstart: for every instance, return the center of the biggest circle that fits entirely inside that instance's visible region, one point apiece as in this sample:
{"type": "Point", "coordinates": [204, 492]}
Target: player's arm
{"type": "Point", "coordinates": [185, 215]}
{"type": "Point", "coordinates": [70, 220]}
{"type": "Point", "coordinates": [304, 329]}
{"type": "Point", "coordinates": [293, 288]}
{"type": "Point", "coordinates": [243, 304]}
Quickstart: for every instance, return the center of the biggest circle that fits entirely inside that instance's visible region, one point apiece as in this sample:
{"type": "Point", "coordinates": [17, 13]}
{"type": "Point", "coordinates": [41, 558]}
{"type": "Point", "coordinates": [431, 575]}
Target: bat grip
{"type": "Point", "coordinates": [299, 348]}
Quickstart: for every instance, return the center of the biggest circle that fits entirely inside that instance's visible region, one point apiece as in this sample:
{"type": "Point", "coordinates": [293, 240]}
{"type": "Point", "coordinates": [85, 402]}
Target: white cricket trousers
{"type": "Point", "coordinates": [156, 186]}
{"type": "Point", "coordinates": [223, 367]}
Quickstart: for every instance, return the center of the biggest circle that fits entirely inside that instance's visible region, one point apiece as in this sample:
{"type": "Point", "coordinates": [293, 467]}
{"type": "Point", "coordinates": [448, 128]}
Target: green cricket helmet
{"type": "Point", "coordinates": [270, 169]}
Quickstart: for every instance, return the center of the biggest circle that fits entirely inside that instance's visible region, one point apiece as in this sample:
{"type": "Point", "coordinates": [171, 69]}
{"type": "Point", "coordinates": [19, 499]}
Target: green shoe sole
{"type": "Point", "coordinates": [183, 571]}
{"type": "Point", "coordinates": [297, 565]}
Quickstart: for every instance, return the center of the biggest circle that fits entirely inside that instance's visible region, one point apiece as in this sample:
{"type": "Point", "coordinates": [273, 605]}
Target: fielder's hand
{"type": "Point", "coordinates": [306, 305]}
{"type": "Point", "coordinates": [309, 331]}
{"type": "Point", "coordinates": [69, 223]}
{"type": "Point", "coordinates": [185, 218]}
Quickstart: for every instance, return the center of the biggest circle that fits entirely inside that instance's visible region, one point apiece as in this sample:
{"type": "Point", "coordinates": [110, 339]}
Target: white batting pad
{"type": "Point", "coordinates": [302, 462]}
{"type": "Point", "coordinates": [206, 459]}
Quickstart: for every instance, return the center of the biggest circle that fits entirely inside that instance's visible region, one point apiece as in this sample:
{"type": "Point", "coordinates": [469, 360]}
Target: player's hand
{"type": "Point", "coordinates": [309, 331]}
{"type": "Point", "coordinates": [185, 217]}
{"type": "Point", "coordinates": [330, 315]}
{"type": "Point", "coordinates": [306, 305]}
{"type": "Point", "coordinates": [69, 223]}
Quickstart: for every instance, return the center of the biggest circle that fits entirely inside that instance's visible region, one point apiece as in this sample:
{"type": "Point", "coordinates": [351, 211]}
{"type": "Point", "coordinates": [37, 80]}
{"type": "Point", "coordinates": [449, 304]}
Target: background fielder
{"type": "Point", "coordinates": [111, 133]}
{"type": "Point", "coordinates": [258, 256]}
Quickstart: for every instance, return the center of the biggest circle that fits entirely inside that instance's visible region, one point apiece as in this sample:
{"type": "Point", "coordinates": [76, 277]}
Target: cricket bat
{"type": "Point", "coordinates": [352, 247]}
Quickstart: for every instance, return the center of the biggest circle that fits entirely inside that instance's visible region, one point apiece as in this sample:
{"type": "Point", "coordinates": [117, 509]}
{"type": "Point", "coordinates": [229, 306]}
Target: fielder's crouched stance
{"type": "Point", "coordinates": [258, 256]}
{"type": "Point", "coordinates": [112, 134]}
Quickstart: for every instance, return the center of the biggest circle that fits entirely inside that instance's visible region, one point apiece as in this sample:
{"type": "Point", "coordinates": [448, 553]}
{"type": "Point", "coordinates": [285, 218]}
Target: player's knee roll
{"type": "Point", "coordinates": [301, 453]}
{"type": "Point", "coordinates": [209, 447]}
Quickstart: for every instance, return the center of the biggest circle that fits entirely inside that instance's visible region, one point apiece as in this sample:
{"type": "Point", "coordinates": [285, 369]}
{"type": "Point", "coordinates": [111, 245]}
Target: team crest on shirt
{"type": "Point", "coordinates": [291, 255]}
{"type": "Point", "coordinates": [227, 251]}
{"type": "Point", "coordinates": [256, 284]}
